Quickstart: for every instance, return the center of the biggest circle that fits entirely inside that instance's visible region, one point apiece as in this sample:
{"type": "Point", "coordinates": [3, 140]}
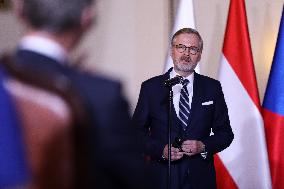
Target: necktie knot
{"type": "Point", "coordinates": [185, 82]}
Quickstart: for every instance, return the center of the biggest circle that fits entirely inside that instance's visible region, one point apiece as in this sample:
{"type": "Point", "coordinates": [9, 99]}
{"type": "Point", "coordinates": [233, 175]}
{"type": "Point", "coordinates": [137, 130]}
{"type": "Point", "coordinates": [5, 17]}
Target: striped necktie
{"type": "Point", "coordinates": [184, 108]}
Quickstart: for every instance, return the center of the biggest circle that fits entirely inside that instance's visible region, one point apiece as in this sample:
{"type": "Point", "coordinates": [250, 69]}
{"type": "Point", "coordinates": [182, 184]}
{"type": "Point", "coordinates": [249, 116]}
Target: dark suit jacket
{"type": "Point", "coordinates": [151, 117]}
{"type": "Point", "coordinates": [113, 153]}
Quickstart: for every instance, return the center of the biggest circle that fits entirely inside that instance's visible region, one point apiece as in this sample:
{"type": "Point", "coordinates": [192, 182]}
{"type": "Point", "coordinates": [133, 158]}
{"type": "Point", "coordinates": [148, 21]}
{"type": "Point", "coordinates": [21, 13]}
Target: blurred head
{"type": "Point", "coordinates": [56, 16]}
{"type": "Point", "coordinates": [186, 50]}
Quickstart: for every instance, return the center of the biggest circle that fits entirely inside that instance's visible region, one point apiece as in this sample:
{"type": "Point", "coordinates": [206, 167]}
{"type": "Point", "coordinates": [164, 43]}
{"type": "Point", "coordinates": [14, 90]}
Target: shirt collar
{"type": "Point", "coordinates": [44, 46]}
{"type": "Point", "coordinates": [190, 78]}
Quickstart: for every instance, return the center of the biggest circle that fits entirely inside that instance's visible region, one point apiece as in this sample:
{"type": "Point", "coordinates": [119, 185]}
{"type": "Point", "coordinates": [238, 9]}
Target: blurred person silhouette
{"type": "Point", "coordinates": [53, 28]}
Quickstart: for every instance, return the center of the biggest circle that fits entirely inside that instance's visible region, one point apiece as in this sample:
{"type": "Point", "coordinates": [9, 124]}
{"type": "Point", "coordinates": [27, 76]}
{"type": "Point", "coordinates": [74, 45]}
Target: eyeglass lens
{"type": "Point", "coordinates": [192, 49]}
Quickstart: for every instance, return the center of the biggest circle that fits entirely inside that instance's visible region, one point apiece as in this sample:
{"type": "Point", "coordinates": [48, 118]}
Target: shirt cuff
{"type": "Point", "coordinates": [203, 153]}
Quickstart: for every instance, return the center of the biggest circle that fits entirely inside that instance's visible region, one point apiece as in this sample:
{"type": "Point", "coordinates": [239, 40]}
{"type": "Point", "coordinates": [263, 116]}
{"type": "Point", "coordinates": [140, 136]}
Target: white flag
{"type": "Point", "coordinates": [184, 19]}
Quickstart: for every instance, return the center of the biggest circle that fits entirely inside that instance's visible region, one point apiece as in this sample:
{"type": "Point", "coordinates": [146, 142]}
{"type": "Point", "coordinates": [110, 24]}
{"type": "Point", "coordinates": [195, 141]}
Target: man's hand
{"type": "Point", "coordinates": [192, 147]}
{"type": "Point", "coordinates": [176, 154]}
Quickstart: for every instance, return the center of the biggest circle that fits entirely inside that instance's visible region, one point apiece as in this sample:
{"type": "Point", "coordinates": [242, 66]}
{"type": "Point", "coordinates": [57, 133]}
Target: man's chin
{"type": "Point", "coordinates": [186, 69]}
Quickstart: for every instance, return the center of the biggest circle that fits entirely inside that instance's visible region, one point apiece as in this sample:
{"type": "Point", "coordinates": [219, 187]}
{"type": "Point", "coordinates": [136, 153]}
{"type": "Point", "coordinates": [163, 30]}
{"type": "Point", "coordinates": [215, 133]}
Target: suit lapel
{"type": "Point", "coordinates": [197, 94]}
{"type": "Point", "coordinates": [163, 89]}
{"type": "Point", "coordinates": [176, 123]}
{"type": "Point", "coordinates": [165, 101]}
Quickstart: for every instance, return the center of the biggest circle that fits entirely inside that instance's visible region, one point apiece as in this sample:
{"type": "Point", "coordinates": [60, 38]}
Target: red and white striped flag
{"type": "Point", "coordinates": [245, 163]}
{"type": "Point", "coordinates": [184, 19]}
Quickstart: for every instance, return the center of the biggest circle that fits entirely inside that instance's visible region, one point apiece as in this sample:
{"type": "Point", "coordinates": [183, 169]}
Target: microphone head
{"type": "Point", "coordinates": [180, 78]}
{"type": "Point", "coordinates": [173, 81]}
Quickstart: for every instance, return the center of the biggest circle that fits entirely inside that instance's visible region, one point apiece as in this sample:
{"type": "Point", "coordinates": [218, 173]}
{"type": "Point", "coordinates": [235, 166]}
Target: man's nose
{"type": "Point", "coordinates": [186, 52]}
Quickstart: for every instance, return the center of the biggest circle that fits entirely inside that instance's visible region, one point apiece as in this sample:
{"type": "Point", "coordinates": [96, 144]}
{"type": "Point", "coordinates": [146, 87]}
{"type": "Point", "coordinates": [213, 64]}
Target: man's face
{"type": "Point", "coordinates": [185, 52]}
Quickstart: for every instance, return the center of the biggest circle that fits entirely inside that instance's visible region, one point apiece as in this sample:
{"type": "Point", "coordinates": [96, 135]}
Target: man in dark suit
{"type": "Point", "coordinates": [54, 28]}
{"type": "Point", "coordinates": [200, 118]}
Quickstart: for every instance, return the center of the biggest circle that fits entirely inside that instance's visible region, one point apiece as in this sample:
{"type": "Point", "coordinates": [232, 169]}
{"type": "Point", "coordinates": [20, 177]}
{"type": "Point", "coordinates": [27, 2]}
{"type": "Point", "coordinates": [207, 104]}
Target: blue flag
{"type": "Point", "coordinates": [274, 95]}
{"type": "Point", "coordinates": [273, 111]}
{"type": "Point", "coordinates": [13, 164]}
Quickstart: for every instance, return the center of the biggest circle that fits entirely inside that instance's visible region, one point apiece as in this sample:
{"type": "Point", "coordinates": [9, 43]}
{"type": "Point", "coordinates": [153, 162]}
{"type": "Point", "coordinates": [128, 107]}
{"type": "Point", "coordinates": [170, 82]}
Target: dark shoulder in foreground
{"type": "Point", "coordinates": [102, 84]}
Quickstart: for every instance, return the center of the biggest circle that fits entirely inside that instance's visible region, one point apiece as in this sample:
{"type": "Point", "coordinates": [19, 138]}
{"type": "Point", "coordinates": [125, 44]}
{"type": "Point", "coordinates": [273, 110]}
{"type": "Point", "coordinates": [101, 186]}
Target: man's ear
{"type": "Point", "coordinates": [199, 57]}
{"type": "Point", "coordinates": [87, 18]}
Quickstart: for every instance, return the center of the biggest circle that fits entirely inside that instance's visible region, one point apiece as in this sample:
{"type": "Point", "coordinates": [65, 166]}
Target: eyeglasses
{"type": "Point", "coordinates": [182, 48]}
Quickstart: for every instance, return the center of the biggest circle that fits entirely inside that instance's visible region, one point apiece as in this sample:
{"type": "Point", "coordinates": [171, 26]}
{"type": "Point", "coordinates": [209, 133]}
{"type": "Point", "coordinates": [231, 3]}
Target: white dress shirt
{"type": "Point", "coordinates": [177, 88]}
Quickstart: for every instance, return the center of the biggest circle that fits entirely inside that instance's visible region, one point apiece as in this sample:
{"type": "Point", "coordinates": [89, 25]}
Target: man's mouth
{"type": "Point", "coordinates": [185, 58]}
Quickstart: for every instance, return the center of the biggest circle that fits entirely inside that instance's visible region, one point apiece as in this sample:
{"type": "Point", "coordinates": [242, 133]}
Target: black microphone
{"type": "Point", "coordinates": [173, 81]}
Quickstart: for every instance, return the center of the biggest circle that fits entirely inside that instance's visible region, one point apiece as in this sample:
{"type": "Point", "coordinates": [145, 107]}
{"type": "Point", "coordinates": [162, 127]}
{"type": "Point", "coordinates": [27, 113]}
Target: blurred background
{"type": "Point", "coordinates": [130, 39]}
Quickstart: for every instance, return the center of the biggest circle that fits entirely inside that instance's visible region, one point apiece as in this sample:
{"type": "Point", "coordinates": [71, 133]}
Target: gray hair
{"type": "Point", "coordinates": [54, 15]}
{"type": "Point", "coordinates": [188, 31]}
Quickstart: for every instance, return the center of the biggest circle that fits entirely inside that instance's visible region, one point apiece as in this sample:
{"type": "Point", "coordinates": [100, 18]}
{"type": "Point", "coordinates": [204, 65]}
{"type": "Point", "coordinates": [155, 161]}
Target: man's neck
{"type": "Point", "coordinates": [183, 74]}
{"type": "Point", "coordinates": [45, 45]}
{"type": "Point", "coordinates": [65, 40]}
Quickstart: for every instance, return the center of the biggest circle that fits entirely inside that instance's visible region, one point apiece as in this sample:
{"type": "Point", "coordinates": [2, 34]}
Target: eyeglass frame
{"type": "Point", "coordinates": [184, 47]}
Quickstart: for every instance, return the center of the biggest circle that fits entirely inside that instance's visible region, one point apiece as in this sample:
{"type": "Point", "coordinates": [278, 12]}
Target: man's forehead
{"type": "Point", "coordinates": [187, 38]}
